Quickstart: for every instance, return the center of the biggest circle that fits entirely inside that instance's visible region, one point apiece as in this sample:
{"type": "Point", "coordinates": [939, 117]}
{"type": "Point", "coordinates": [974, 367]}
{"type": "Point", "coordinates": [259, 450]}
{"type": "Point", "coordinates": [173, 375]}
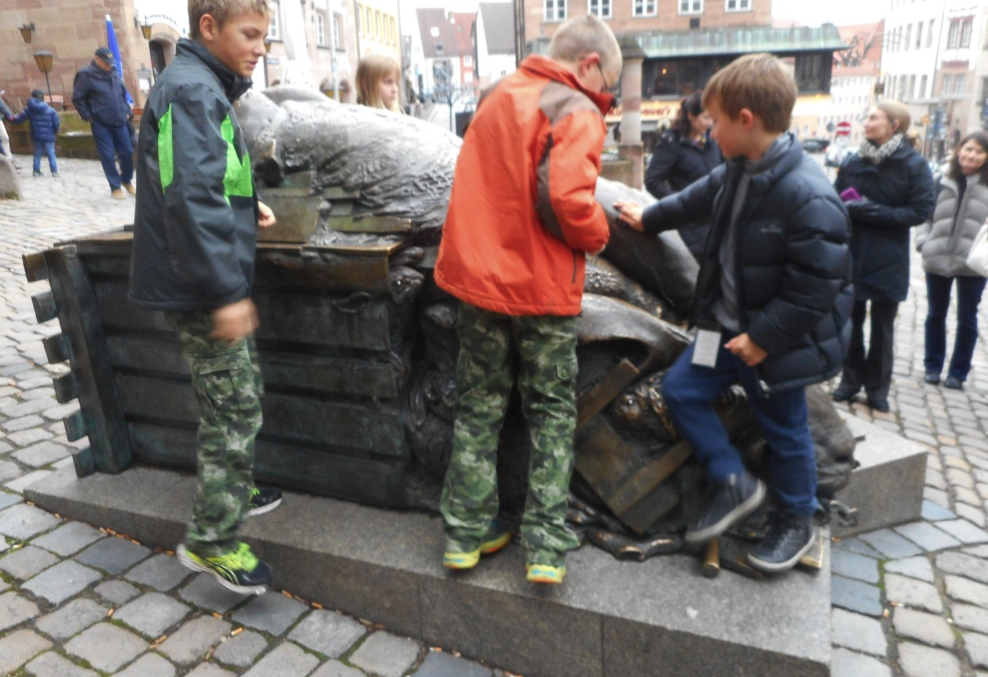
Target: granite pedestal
{"type": "Point", "coordinates": [659, 618]}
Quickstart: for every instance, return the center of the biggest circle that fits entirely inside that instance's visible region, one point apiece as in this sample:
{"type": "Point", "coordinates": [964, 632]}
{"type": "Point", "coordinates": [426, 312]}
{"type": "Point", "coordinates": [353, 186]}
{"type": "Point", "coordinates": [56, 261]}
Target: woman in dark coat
{"type": "Point", "coordinates": [684, 154]}
{"type": "Point", "coordinates": [892, 191]}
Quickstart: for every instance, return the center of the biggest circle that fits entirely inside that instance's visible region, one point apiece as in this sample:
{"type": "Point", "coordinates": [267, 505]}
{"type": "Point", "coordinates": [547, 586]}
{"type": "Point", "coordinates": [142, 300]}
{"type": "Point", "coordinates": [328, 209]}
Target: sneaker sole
{"type": "Point", "coordinates": [776, 567]}
{"type": "Point", "coordinates": [254, 512]}
{"type": "Point", "coordinates": [728, 520]}
{"type": "Point", "coordinates": [546, 577]}
{"type": "Point", "coordinates": [189, 563]}
{"type": "Point", "coordinates": [468, 560]}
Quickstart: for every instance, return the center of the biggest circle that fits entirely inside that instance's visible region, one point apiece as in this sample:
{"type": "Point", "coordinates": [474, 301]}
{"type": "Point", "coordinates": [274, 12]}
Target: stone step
{"type": "Point", "coordinates": [659, 618]}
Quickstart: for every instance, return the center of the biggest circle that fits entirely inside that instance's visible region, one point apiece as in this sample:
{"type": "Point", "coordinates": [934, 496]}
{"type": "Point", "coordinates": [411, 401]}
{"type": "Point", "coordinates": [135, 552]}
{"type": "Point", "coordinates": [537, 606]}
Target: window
{"type": "Point", "coordinates": [439, 48]}
{"type": "Point", "coordinates": [919, 34]}
{"type": "Point", "coordinates": [599, 8]}
{"type": "Point", "coordinates": [929, 34]}
{"type": "Point", "coordinates": [909, 37]}
{"type": "Point", "coordinates": [555, 10]}
{"type": "Point", "coordinates": [337, 31]}
{"type": "Point", "coordinates": [922, 87]}
{"type": "Point", "coordinates": [953, 36]}
{"type": "Point", "coordinates": [320, 28]}
{"type": "Point", "coordinates": [434, 31]}
{"type": "Point", "coordinates": [691, 6]}
{"type": "Point", "coordinates": [468, 61]}
{"type": "Point", "coordinates": [912, 87]}
{"type": "Point", "coordinates": [274, 27]}
{"type": "Point", "coordinates": [377, 24]}
{"type": "Point", "coordinates": [644, 8]}
{"type": "Point", "coordinates": [737, 5]}
{"type": "Point", "coordinates": [966, 32]}
{"type": "Point", "coordinates": [959, 84]}
{"type": "Point", "coordinates": [945, 85]}
{"type": "Point", "coordinates": [394, 30]}
{"type": "Point", "coordinates": [902, 87]}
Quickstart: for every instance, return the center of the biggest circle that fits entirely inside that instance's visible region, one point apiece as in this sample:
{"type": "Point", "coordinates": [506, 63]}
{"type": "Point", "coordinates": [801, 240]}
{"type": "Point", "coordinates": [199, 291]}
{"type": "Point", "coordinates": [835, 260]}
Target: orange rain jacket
{"type": "Point", "coordinates": [522, 211]}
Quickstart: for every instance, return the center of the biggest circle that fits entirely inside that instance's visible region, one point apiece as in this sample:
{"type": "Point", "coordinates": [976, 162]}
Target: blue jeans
{"type": "Point", "coordinates": [111, 142]}
{"type": "Point", "coordinates": [969, 290]}
{"type": "Point", "coordinates": [45, 148]}
{"type": "Point", "coordinates": [689, 392]}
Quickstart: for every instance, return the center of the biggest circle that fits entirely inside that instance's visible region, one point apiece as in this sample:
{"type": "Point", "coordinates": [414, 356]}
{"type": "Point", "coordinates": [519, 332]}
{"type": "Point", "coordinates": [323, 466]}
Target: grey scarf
{"type": "Point", "coordinates": [877, 154]}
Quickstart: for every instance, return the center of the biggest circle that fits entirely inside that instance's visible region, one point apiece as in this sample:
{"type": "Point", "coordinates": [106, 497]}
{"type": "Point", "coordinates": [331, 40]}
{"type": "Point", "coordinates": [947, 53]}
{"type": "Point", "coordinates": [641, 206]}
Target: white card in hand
{"type": "Point", "coordinates": [706, 347]}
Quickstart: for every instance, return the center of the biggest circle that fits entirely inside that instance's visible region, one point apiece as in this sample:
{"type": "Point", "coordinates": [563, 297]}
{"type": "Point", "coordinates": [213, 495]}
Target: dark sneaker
{"type": "Point", "coordinates": [239, 570]}
{"type": "Point", "coordinates": [545, 573]}
{"type": "Point", "coordinates": [932, 378]}
{"type": "Point", "coordinates": [262, 501]}
{"type": "Point", "coordinates": [789, 538]}
{"type": "Point", "coordinates": [457, 557]}
{"type": "Point", "coordinates": [879, 403]}
{"type": "Point", "coordinates": [728, 503]}
{"type": "Point", "coordinates": [844, 393]}
{"type": "Point", "coordinates": [953, 383]}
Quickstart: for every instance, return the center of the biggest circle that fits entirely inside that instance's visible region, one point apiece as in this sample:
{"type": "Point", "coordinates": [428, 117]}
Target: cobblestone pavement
{"type": "Point", "coordinates": [79, 601]}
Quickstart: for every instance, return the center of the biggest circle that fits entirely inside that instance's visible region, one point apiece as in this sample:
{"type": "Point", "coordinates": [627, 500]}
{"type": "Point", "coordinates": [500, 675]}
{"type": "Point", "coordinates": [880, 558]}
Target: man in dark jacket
{"type": "Point", "coordinates": [772, 303]}
{"type": "Point", "coordinates": [44, 130]}
{"type": "Point", "coordinates": [101, 99]}
{"type": "Point", "coordinates": [195, 232]}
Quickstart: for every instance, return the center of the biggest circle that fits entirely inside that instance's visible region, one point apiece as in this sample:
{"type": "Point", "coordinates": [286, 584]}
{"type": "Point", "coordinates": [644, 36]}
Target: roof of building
{"type": "Point", "coordinates": [499, 26]}
{"type": "Point", "coordinates": [445, 34]}
{"type": "Point", "coordinates": [739, 40]}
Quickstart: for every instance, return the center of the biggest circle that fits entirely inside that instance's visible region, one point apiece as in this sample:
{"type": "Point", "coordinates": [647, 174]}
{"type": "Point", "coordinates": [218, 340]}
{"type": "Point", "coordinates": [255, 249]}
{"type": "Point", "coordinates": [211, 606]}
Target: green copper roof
{"type": "Point", "coordinates": [740, 40]}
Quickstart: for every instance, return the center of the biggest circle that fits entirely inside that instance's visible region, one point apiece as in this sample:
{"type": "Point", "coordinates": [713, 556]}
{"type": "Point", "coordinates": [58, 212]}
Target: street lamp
{"type": "Point", "coordinates": [146, 31]}
{"type": "Point", "coordinates": [26, 31]}
{"type": "Point", "coordinates": [44, 60]}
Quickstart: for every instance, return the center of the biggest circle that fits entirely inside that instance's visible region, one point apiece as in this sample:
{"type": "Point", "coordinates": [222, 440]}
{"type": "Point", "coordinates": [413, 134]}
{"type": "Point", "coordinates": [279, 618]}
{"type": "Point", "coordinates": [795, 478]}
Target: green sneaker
{"type": "Point", "coordinates": [543, 573]}
{"type": "Point", "coordinates": [497, 538]}
{"type": "Point", "coordinates": [239, 570]}
{"type": "Point", "coordinates": [262, 501]}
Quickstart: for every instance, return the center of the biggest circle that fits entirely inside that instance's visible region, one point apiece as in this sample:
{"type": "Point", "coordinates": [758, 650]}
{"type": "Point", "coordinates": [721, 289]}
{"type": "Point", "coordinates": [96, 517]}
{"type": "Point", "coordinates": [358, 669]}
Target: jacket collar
{"type": "Point", "coordinates": [105, 74]}
{"type": "Point", "coordinates": [782, 165]}
{"type": "Point", "coordinates": [547, 68]}
{"type": "Point", "coordinates": [233, 85]}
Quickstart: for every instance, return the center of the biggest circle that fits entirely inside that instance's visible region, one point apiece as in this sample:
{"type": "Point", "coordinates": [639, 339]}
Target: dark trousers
{"type": "Point", "coordinates": [46, 148]}
{"type": "Point", "coordinates": [872, 371]}
{"type": "Point", "coordinates": [969, 290]}
{"type": "Point", "coordinates": [112, 142]}
{"type": "Point", "coordinates": [689, 392]}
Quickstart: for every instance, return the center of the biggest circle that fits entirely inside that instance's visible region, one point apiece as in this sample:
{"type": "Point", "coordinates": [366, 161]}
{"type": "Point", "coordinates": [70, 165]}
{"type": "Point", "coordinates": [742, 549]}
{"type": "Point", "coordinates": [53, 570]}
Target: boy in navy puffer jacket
{"type": "Point", "coordinates": [44, 130]}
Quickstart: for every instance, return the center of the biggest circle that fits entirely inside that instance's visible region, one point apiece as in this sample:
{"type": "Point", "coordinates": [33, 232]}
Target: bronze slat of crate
{"type": "Point", "coordinates": [315, 471]}
{"type": "Point", "coordinates": [646, 479]}
{"type": "Point", "coordinates": [332, 268]}
{"type": "Point", "coordinates": [358, 321]}
{"type": "Point", "coordinates": [116, 243]}
{"type": "Point", "coordinates": [604, 391]}
{"type": "Point", "coordinates": [348, 223]}
{"type": "Point", "coordinates": [293, 180]}
{"type": "Point", "coordinates": [296, 215]}
{"type": "Point", "coordinates": [35, 268]}
{"type": "Point", "coordinates": [343, 427]}
{"type": "Point", "coordinates": [57, 348]}
{"type": "Point", "coordinates": [340, 193]}
{"type": "Point", "coordinates": [84, 462]}
{"type": "Point", "coordinates": [117, 312]}
{"type": "Point", "coordinates": [65, 386]}
{"type": "Point", "coordinates": [75, 426]}
{"type": "Point", "coordinates": [339, 376]}
{"type": "Point", "coordinates": [99, 401]}
{"type": "Point", "coordinates": [44, 307]}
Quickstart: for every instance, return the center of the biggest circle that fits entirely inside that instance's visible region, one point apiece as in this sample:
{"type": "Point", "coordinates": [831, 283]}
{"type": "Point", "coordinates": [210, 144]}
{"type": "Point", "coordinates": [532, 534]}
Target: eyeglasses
{"type": "Point", "coordinates": [602, 77]}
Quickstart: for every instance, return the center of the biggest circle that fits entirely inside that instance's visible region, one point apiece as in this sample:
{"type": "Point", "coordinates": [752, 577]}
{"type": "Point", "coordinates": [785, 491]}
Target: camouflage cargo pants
{"type": "Point", "coordinates": [495, 350]}
{"type": "Point", "coordinates": [228, 387]}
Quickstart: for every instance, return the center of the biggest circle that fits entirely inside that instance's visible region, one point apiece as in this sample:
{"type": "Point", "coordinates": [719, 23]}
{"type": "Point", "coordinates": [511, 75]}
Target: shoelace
{"type": "Point", "coordinates": [242, 558]}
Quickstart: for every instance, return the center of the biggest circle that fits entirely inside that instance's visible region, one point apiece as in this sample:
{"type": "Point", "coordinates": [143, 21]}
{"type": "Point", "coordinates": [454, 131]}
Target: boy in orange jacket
{"type": "Point", "coordinates": [521, 219]}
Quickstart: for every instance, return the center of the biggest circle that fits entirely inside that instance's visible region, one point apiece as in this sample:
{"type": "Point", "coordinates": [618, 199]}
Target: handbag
{"type": "Point", "coordinates": [977, 258]}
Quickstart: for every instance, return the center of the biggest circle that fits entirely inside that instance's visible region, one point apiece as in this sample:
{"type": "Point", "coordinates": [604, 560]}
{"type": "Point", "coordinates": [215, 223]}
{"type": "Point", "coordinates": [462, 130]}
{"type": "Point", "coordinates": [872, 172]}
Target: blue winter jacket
{"type": "Point", "coordinates": [100, 96]}
{"type": "Point", "coordinates": [791, 262]}
{"type": "Point", "coordinates": [44, 121]}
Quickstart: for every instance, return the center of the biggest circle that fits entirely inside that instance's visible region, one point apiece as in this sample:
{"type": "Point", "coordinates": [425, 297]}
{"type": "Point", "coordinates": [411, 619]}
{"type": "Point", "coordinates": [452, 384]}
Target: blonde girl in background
{"type": "Point", "coordinates": [378, 76]}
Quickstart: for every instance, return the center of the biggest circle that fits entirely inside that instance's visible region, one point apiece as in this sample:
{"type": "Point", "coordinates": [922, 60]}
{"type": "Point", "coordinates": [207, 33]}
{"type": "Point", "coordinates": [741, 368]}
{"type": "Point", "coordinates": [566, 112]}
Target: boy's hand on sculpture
{"type": "Point", "coordinates": [266, 217]}
{"type": "Point", "coordinates": [746, 349]}
{"type": "Point", "coordinates": [630, 213]}
{"type": "Point", "coordinates": [235, 321]}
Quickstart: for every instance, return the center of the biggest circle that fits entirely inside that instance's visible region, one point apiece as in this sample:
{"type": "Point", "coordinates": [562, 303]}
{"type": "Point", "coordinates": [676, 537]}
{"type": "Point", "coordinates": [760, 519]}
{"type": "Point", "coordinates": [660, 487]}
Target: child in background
{"type": "Point", "coordinates": [378, 76]}
{"type": "Point", "coordinates": [45, 124]}
{"type": "Point", "coordinates": [772, 303]}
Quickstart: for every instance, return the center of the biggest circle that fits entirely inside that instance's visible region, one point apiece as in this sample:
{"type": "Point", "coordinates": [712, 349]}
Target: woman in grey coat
{"type": "Point", "coordinates": [962, 207]}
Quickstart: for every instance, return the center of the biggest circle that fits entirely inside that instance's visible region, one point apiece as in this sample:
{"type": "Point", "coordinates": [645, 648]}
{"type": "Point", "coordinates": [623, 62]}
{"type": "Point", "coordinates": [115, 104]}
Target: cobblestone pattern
{"type": "Point", "coordinates": [907, 602]}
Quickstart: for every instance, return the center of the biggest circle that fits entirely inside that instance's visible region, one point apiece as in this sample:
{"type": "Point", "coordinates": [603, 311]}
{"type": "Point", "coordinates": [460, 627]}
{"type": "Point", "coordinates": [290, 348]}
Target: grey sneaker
{"type": "Point", "coordinates": [789, 537]}
{"type": "Point", "coordinates": [728, 503]}
{"type": "Point", "coordinates": [262, 501]}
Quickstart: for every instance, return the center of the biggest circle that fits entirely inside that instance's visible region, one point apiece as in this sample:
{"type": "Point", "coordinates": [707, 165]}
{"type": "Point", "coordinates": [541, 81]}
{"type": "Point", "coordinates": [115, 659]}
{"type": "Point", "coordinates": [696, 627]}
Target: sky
{"type": "Point", "coordinates": [839, 12]}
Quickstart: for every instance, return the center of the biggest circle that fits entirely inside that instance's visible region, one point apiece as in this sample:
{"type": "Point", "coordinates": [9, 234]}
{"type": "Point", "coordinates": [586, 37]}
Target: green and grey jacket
{"type": "Point", "coordinates": [195, 226]}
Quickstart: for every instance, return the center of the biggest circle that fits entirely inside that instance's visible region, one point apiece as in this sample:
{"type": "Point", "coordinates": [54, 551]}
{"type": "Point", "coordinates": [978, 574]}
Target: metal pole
{"type": "Point", "coordinates": [332, 50]}
{"type": "Point", "coordinates": [49, 87]}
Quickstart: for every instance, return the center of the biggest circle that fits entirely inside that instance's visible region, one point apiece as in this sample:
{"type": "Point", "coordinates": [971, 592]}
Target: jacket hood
{"type": "Point", "coordinates": [234, 85]}
{"type": "Point", "coordinates": [36, 104]}
{"type": "Point", "coordinates": [546, 67]}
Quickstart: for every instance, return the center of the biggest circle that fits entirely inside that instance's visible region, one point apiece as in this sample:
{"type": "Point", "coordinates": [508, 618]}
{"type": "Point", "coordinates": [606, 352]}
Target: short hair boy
{"type": "Point", "coordinates": [521, 218]}
{"type": "Point", "coordinates": [772, 303]}
{"type": "Point", "coordinates": [45, 124]}
{"type": "Point", "coordinates": [195, 232]}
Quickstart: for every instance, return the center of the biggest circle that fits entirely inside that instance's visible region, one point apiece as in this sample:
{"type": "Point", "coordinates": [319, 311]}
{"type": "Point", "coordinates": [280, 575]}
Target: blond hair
{"type": "Point", "coordinates": [370, 71]}
{"type": "Point", "coordinates": [222, 11]}
{"type": "Point", "coordinates": [582, 35]}
{"type": "Point", "coordinates": [758, 82]}
{"type": "Point", "coordinates": [898, 114]}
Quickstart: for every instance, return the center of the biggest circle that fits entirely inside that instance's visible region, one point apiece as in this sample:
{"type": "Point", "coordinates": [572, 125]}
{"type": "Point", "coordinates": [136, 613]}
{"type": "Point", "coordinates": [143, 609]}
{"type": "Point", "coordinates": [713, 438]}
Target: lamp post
{"type": "Point", "coordinates": [26, 31]}
{"type": "Point", "coordinates": [146, 31]}
{"type": "Point", "coordinates": [44, 60]}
